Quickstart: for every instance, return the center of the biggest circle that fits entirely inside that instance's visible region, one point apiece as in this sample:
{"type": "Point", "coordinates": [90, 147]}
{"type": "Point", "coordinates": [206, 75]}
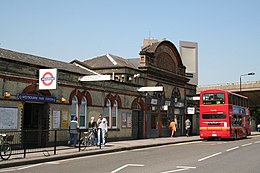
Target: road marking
{"type": "Point", "coordinates": [127, 165]}
{"type": "Point", "coordinates": [209, 156]}
{"type": "Point", "coordinates": [186, 143]}
{"type": "Point", "coordinates": [257, 142]}
{"type": "Point", "coordinates": [27, 167]}
{"type": "Point", "coordinates": [180, 168]}
{"type": "Point", "coordinates": [164, 146]}
{"type": "Point", "coordinates": [246, 144]}
{"type": "Point", "coordinates": [232, 149]}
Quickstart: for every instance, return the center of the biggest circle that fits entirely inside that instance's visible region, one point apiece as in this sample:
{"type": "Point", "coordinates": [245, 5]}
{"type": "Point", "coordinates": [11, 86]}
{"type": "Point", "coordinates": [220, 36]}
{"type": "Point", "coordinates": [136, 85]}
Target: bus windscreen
{"type": "Point", "coordinates": [214, 98]}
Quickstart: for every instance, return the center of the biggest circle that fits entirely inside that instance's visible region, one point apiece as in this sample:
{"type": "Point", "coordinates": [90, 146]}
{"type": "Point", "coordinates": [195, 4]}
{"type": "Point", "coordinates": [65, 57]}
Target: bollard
{"type": "Point", "coordinates": [100, 138]}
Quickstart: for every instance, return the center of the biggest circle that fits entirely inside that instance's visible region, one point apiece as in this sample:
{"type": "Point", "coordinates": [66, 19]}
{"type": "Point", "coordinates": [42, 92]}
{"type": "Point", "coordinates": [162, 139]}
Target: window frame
{"type": "Point", "coordinates": [75, 103]}
{"type": "Point", "coordinates": [84, 113]}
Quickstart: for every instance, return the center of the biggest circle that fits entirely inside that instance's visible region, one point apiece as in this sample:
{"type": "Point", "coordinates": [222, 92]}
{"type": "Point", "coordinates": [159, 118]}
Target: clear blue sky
{"type": "Point", "coordinates": [227, 31]}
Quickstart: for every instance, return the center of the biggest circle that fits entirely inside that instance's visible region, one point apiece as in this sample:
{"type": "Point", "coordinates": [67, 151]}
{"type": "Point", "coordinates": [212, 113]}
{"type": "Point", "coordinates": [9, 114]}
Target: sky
{"type": "Point", "coordinates": [227, 31]}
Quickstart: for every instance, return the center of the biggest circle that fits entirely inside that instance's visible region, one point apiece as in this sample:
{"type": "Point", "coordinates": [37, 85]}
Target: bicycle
{"type": "Point", "coordinates": [88, 139]}
{"type": "Point", "coordinates": [5, 147]}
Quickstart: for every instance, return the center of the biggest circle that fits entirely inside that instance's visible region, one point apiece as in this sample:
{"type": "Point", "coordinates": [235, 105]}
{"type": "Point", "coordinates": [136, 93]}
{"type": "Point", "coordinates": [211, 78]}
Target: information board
{"type": "Point", "coordinates": [8, 118]}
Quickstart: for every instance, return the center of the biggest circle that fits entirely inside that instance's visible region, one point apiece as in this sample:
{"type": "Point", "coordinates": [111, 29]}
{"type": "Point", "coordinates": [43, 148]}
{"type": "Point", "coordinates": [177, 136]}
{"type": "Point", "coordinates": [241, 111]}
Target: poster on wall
{"type": "Point", "coordinates": [129, 120]}
{"type": "Point", "coordinates": [65, 119]}
{"type": "Point", "coordinates": [126, 120]}
{"type": "Point", "coordinates": [8, 118]}
{"type": "Point", "coordinates": [56, 119]}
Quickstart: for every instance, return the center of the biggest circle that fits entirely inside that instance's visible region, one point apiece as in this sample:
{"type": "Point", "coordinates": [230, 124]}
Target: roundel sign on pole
{"type": "Point", "coordinates": [47, 79]}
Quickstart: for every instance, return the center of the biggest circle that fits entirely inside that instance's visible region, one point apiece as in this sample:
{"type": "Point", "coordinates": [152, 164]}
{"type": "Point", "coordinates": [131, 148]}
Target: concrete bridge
{"type": "Point", "coordinates": [250, 89]}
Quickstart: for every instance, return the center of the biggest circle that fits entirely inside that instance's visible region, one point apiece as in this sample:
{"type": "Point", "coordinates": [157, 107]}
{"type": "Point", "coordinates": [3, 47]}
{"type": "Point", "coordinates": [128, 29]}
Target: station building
{"type": "Point", "coordinates": [138, 96]}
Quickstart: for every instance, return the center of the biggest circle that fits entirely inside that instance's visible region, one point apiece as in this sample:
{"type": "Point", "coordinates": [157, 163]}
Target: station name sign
{"type": "Point", "coordinates": [29, 97]}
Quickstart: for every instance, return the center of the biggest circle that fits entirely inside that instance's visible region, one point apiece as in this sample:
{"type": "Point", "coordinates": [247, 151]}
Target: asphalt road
{"type": "Point", "coordinates": [196, 157]}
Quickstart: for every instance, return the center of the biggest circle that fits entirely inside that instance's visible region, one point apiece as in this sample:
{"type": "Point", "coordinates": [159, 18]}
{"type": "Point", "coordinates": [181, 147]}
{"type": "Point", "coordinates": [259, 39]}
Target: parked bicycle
{"type": "Point", "coordinates": [88, 139]}
{"type": "Point", "coordinates": [5, 147]}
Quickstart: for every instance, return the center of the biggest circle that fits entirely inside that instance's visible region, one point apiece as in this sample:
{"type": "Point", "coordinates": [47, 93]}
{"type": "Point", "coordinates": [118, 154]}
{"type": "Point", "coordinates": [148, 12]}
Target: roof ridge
{"type": "Point", "coordinates": [111, 59]}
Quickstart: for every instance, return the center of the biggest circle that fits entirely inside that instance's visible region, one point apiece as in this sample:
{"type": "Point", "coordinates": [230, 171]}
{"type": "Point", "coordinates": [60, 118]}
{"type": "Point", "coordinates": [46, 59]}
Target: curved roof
{"type": "Point", "coordinates": [154, 46]}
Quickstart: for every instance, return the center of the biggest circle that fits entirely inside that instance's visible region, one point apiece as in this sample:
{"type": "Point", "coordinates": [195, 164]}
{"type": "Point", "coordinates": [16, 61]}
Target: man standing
{"type": "Point", "coordinates": [102, 128]}
{"type": "Point", "coordinates": [187, 126]}
{"type": "Point", "coordinates": [73, 129]}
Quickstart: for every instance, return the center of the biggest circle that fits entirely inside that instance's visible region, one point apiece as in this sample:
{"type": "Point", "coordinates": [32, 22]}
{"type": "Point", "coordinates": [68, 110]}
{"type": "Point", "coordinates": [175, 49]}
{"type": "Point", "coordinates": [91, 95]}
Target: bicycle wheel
{"type": "Point", "coordinates": [83, 143]}
{"type": "Point", "coordinates": [6, 151]}
{"type": "Point", "coordinates": [89, 141]}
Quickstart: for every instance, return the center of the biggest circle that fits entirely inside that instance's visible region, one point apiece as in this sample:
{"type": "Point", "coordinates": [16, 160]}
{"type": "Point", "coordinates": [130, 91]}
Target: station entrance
{"type": "Point", "coordinates": [35, 124]}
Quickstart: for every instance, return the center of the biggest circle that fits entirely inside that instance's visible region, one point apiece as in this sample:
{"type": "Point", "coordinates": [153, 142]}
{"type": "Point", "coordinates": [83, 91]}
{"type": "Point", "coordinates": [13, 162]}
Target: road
{"type": "Point", "coordinates": [195, 157]}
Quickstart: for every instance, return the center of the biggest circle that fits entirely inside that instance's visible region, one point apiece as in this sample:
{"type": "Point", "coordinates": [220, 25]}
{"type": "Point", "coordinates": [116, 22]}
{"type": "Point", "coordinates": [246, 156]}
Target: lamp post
{"type": "Point", "coordinates": [248, 74]}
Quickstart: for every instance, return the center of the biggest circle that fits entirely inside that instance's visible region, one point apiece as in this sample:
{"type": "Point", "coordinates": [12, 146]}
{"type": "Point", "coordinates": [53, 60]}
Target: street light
{"type": "Point", "coordinates": [248, 74]}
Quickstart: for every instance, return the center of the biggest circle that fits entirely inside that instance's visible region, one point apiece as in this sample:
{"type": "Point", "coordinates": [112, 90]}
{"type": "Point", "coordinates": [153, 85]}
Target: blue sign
{"type": "Point", "coordinates": [36, 98]}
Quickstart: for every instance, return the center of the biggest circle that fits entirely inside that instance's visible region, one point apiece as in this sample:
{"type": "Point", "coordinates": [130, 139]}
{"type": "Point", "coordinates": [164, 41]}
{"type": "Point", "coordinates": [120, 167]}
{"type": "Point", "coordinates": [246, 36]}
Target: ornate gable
{"type": "Point", "coordinates": [162, 55]}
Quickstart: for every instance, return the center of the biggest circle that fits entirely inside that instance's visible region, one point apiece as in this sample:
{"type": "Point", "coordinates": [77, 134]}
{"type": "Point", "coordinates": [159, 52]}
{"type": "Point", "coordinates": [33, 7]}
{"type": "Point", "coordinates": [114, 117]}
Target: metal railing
{"type": "Point", "coordinates": [46, 141]}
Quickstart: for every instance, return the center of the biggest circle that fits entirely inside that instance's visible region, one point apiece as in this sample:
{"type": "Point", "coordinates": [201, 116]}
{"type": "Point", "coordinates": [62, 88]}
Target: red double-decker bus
{"type": "Point", "coordinates": [224, 114]}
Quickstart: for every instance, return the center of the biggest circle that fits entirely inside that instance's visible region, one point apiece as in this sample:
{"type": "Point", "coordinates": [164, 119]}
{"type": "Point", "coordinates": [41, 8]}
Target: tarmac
{"type": "Point", "coordinates": [65, 152]}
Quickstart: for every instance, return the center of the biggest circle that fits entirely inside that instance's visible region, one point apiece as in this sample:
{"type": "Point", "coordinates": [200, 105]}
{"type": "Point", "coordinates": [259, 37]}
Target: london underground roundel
{"type": "Point", "coordinates": [47, 79]}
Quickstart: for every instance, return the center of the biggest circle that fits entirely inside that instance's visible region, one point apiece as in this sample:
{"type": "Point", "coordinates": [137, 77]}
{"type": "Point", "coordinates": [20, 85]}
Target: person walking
{"type": "Point", "coordinates": [258, 127]}
{"type": "Point", "coordinates": [92, 125]}
{"type": "Point", "coordinates": [187, 126]}
{"type": "Point", "coordinates": [102, 130]}
{"type": "Point", "coordinates": [172, 127]}
{"type": "Point", "coordinates": [73, 130]}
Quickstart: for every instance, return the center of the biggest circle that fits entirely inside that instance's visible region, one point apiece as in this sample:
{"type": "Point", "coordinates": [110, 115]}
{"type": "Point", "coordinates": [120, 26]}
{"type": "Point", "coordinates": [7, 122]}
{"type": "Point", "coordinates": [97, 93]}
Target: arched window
{"type": "Point", "coordinates": [83, 113]}
{"type": "Point", "coordinates": [108, 113]}
{"type": "Point", "coordinates": [114, 114]}
{"type": "Point", "coordinates": [74, 108]}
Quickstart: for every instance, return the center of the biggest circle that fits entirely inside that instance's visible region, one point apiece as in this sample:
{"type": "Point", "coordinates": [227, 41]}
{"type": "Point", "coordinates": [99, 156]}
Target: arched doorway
{"type": "Point", "coordinates": [35, 124]}
{"type": "Point", "coordinates": [35, 118]}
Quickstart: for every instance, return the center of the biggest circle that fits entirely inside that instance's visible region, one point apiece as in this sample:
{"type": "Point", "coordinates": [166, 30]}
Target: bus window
{"type": "Point", "coordinates": [210, 99]}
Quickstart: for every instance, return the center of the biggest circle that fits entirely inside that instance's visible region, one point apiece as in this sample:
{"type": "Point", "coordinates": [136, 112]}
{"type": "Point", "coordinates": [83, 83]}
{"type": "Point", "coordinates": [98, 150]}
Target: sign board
{"type": "Point", "coordinates": [177, 111]}
{"type": "Point", "coordinates": [154, 101]}
{"type": "Point", "coordinates": [56, 119]}
{"type": "Point", "coordinates": [190, 110]}
{"type": "Point", "coordinates": [36, 98]}
{"type": "Point", "coordinates": [168, 103]}
{"type": "Point", "coordinates": [64, 119]}
{"type": "Point", "coordinates": [47, 79]}
{"type": "Point", "coordinates": [8, 118]}
{"type": "Point", "coordinates": [165, 107]}
{"type": "Point", "coordinates": [95, 78]}
{"type": "Point", "coordinates": [156, 88]}
{"type": "Point", "coordinates": [179, 104]}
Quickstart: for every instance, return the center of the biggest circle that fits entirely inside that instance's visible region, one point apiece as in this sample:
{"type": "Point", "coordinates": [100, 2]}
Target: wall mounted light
{"type": "Point", "coordinates": [63, 99]}
{"type": "Point", "coordinates": [7, 94]}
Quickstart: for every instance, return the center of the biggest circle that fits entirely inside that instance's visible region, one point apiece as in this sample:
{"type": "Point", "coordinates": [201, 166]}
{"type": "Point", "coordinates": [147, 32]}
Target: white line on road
{"type": "Point", "coordinates": [164, 146]}
{"type": "Point", "coordinates": [232, 149]}
{"type": "Point", "coordinates": [246, 144]}
{"type": "Point", "coordinates": [186, 143]}
{"type": "Point", "coordinates": [123, 167]}
{"type": "Point", "coordinates": [27, 167]}
{"type": "Point", "coordinates": [209, 156]}
{"type": "Point", "coordinates": [257, 142]}
{"type": "Point", "coordinates": [181, 168]}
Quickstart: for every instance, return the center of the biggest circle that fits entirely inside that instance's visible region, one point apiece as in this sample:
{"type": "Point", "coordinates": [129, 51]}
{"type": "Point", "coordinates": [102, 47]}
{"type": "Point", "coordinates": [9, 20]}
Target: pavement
{"type": "Point", "coordinates": [64, 152]}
